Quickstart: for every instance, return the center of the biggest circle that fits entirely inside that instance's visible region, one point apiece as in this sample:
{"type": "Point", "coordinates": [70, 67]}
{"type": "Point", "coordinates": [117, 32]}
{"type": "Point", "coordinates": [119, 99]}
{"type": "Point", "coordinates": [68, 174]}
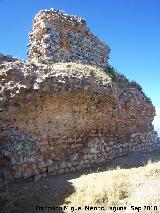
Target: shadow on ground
{"type": "Point", "coordinates": [47, 195]}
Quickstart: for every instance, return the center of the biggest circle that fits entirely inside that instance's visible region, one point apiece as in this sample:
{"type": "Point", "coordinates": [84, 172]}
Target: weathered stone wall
{"type": "Point", "coordinates": [67, 117]}
{"type": "Point", "coordinates": [63, 117]}
{"type": "Point", "coordinates": [58, 37]}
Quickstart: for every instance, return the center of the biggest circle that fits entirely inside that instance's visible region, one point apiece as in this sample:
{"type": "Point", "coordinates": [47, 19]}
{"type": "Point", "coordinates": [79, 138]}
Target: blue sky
{"type": "Point", "coordinates": [130, 27]}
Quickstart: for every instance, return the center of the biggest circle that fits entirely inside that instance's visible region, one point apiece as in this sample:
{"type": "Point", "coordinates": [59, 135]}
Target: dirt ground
{"type": "Point", "coordinates": [29, 196]}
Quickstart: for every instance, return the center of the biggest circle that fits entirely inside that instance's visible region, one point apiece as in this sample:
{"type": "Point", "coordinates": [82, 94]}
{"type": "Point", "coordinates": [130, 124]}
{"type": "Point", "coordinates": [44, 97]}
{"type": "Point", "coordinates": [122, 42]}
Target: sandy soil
{"type": "Point", "coordinates": [24, 196]}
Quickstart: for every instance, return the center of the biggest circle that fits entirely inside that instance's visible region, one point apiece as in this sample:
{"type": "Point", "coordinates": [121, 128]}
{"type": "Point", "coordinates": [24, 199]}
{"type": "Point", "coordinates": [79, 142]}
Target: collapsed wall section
{"type": "Point", "coordinates": [59, 37]}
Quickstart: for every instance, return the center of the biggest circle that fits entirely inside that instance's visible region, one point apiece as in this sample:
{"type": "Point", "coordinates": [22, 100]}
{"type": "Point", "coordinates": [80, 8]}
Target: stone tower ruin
{"type": "Point", "coordinates": [59, 37]}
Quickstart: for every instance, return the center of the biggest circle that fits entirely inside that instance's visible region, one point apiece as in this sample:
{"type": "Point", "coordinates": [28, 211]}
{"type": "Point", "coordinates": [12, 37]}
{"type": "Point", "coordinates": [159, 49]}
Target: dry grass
{"type": "Point", "coordinates": [120, 187]}
{"type": "Point", "coordinates": [84, 69]}
{"type": "Point", "coordinates": [117, 188]}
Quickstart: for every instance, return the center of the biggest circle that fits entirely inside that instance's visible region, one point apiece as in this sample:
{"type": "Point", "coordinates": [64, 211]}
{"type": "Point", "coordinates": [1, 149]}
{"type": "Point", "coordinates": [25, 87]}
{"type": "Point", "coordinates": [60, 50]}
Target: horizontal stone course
{"type": "Point", "coordinates": [39, 166]}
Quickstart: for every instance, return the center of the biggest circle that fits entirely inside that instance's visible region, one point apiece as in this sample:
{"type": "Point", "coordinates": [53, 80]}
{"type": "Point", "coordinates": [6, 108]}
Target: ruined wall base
{"type": "Point", "coordinates": [97, 151]}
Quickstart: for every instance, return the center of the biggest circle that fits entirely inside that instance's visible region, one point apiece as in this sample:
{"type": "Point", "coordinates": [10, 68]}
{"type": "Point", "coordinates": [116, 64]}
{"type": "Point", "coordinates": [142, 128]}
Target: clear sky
{"type": "Point", "coordinates": [130, 27]}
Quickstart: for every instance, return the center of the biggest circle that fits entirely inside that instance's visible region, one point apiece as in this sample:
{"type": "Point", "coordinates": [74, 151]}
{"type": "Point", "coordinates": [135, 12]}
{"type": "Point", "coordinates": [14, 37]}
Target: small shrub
{"type": "Point", "coordinates": [135, 85]}
{"type": "Point", "coordinates": [111, 72]}
{"type": "Point", "coordinates": [26, 147]}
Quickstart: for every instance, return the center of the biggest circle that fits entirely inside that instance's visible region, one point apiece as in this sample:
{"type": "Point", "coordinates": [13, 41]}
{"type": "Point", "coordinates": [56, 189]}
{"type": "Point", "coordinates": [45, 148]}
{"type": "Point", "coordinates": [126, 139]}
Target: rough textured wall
{"type": "Point", "coordinates": [58, 37]}
{"type": "Point", "coordinates": [66, 117]}
{"type": "Point", "coordinates": [63, 117]}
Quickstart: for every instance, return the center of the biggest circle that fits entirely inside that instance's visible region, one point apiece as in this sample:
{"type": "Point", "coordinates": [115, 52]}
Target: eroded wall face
{"type": "Point", "coordinates": [59, 118]}
{"type": "Point", "coordinates": [57, 37]}
{"type": "Point", "coordinates": [67, 132]}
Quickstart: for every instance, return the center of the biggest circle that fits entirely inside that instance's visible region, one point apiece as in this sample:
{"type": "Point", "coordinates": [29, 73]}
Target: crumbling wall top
{"type": "Point", "coordinates": [61, 19]}
{"type": "Point", "coordinates": [6, 58]}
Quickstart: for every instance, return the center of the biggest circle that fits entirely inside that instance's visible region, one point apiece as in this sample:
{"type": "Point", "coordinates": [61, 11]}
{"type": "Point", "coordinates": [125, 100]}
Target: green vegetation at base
{"type": "Point", "coordinates": [111, 72]}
